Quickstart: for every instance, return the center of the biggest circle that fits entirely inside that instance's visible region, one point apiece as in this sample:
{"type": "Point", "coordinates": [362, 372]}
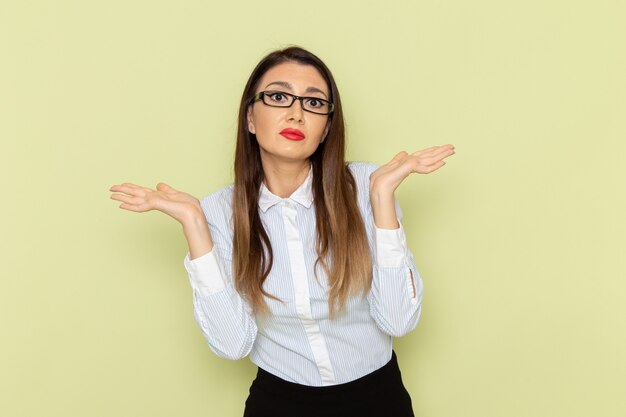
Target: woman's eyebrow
{"type": "Point", "coordinates": [289, 86]}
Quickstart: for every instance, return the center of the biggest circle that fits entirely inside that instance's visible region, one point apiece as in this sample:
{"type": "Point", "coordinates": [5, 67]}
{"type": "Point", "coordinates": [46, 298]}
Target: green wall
{"type": "Point", "coordinates": [520, 238]}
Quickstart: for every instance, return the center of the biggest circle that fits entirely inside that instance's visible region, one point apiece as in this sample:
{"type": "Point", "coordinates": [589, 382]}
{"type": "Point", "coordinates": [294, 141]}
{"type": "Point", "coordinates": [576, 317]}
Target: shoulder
{"type": "Point", "coordinates": [362, 171]}
{"type": "Point", "coordinates": [218, 198]}
{"type": "Point", "coordinates": [217, 206]}
{"type": "Point", "coordinates": [362, 168]}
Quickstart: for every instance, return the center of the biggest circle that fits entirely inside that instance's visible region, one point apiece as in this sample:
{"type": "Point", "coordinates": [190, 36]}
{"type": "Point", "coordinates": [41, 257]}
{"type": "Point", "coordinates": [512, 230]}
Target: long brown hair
{"type": "Point", "coordinates": [342, 246]}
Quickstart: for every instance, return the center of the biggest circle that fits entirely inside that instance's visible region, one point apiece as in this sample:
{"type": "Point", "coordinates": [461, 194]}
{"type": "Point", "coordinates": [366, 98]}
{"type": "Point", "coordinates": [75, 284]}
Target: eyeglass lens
{"type": "Point", "coordinates": [281, 99]}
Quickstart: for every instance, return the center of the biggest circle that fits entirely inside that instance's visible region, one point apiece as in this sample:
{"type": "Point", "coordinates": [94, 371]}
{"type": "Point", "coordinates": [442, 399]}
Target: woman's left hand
{"type": "Point", "coordinates": [389, 176]}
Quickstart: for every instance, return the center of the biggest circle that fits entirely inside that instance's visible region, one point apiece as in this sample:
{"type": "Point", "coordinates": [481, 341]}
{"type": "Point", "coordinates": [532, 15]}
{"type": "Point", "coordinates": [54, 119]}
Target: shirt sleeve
{"type": "Point", "coordinates": [206, 274]}
{"type": "Point", "coordinates": [397, 287]}
{"type": "Point", "coordinates": [225, 319]}
{"type": "Point", "coordinates": [391, 246]}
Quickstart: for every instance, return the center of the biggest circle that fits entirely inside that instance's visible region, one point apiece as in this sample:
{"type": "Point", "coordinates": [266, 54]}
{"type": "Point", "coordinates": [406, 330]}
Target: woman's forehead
{"type": "Point", "coordinates": [296, 77]}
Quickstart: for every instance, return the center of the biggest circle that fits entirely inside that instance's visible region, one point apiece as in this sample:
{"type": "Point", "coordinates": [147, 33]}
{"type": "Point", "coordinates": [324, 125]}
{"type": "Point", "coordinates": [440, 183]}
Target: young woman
{"type": "Point", "coordinates": [302, 263]}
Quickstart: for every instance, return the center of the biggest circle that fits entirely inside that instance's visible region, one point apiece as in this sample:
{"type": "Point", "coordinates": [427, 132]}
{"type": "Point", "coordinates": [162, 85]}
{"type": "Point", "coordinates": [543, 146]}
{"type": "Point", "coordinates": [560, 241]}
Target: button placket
{"type": "Point", "coordinates": [301, 293]}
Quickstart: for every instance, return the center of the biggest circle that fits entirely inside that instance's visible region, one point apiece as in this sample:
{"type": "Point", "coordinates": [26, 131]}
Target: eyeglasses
{"type": "Point", "coordinates": [276, 98]}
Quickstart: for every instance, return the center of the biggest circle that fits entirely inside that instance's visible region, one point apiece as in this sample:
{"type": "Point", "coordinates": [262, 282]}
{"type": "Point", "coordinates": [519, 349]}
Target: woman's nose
{"type": "Point", "coordinates": [296, 110]}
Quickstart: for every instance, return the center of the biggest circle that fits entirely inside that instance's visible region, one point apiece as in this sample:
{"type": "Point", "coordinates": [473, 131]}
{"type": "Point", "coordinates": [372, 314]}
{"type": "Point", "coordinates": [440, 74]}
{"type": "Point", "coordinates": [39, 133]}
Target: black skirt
{"type": "Point", "coordinates": [380, 394]}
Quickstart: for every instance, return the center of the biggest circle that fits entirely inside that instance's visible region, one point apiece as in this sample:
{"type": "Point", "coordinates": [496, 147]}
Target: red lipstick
{"type": "Point", "coordinates": [292, 134]}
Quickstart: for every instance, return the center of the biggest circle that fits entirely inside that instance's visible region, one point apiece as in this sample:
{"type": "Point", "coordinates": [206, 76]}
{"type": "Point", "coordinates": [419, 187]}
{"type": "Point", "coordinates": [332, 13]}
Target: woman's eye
{"type": "Point", "coordinates": [277, 96]}
{"type": "Point", "coordinates": [315, 103]}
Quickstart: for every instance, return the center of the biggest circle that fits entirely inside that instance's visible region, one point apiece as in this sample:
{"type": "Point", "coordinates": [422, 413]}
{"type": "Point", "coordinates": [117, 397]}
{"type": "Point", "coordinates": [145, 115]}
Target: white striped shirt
{"type": "Point", "coordinates": [298, 342]}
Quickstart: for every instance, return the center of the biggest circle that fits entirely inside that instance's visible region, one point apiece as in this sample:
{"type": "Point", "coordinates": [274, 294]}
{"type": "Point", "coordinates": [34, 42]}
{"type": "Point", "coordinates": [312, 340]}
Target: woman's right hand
{"type": "Point", "coordinates": [181, 206]}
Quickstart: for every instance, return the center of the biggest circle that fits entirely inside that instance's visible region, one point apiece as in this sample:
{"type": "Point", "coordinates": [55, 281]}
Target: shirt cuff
{"type": "Point", "coordinates": [205, 273]}
{"type": "Point", "coordinates": [391, 247]}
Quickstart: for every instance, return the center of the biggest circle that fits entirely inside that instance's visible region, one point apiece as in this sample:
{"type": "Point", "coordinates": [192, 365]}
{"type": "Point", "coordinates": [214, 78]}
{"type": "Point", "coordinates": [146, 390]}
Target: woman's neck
{"type": "Point", "coordinates": [282, 179]}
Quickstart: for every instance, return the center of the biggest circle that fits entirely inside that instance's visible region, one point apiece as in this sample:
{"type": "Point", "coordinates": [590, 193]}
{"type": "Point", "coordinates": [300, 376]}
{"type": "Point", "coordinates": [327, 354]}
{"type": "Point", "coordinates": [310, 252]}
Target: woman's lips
{"type": "Point", "coordinates": [292, 134]}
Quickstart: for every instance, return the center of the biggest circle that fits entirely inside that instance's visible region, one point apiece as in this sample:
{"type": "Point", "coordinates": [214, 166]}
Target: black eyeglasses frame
{"type": "Point", "coordinates": [259, 96]}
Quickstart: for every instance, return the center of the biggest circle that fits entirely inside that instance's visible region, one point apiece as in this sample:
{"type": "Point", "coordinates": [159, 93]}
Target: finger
{"type": "Point", "coordinates": [436, 155]}
{"type": "Point", "coordinates": [434, 149]}
{"type": "Point", "coordinates": [443, 152]}
{"type": "Point", "coordinates": [446, 146]}
{"type": "Point", "coordinates": [127, 199]}
{"type": "Point", "coordinates": [123, 188]}
{"type": "Point", "coordinates": [139, 209]}
{"type": "Point", "coordinates": [430, 168]}
{"type": "Point", "coordinates": [164, 187]}
{"type": "Point", "coordinates": [130, 184]}
{"type": "Point", "coordinates": [134, 191]}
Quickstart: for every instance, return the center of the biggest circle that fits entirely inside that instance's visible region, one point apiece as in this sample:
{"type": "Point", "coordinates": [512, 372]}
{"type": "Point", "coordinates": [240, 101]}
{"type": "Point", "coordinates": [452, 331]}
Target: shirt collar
{"type": "Point", "coordinates": [303, 195]}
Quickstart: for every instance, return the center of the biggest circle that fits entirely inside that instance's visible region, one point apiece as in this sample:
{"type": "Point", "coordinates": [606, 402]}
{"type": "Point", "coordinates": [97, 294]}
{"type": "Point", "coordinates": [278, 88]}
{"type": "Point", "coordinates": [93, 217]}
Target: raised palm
{"type": "Point", "coordinates": [177, 204]}
{"type": "Point", "coordinates": [390, 175]}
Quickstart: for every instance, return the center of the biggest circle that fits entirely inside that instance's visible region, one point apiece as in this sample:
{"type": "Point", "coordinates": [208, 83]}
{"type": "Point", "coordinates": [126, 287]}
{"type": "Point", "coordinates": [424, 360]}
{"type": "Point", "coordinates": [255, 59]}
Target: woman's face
{"type": "Point", "coordinates": [267, 122]}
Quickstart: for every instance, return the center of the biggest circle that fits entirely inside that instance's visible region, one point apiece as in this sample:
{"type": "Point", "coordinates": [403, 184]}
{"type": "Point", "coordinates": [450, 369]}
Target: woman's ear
{"type": "Point", "coordinates": [251, 128]}
{"type": "Point", "coordinates": [326, 129]}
